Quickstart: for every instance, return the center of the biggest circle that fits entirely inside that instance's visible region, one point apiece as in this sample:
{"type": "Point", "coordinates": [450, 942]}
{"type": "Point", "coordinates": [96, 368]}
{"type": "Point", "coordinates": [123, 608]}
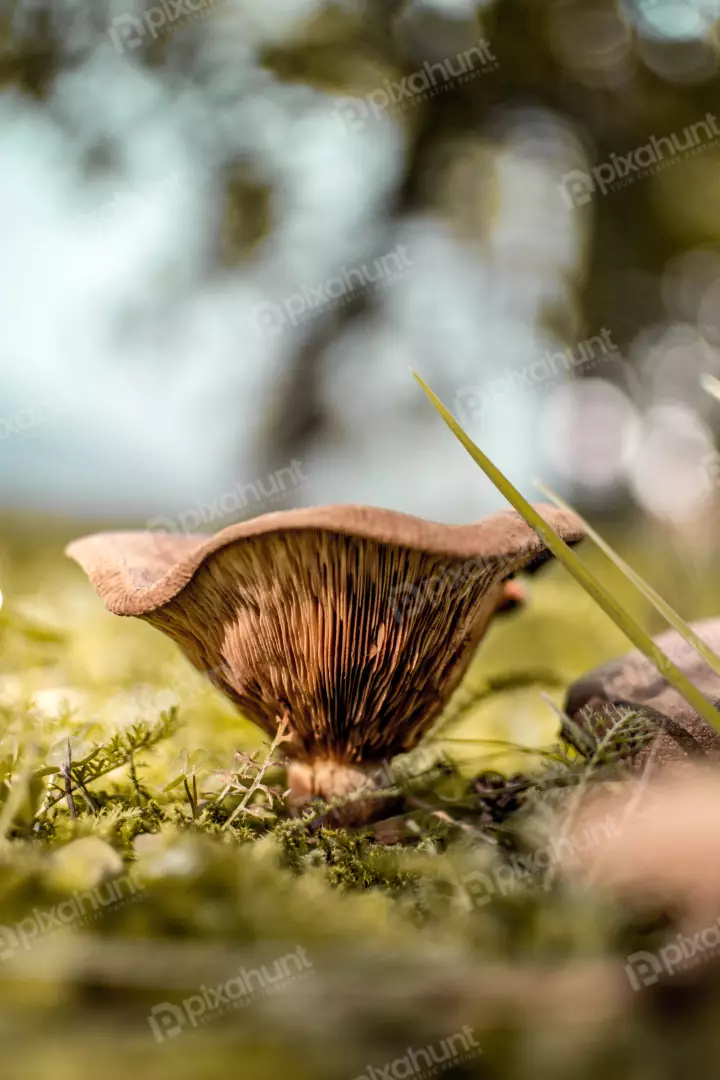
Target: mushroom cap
{"type": "Point", "coordinates": [357, 623]}
{"type": "Point", "coordinates": [633, 680]}
{"type": "Point", "coordinates": [136, 572]}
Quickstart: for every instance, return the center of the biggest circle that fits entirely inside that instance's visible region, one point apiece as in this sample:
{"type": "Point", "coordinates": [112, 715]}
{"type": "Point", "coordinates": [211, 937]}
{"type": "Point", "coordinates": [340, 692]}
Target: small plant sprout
{"type": "Point", "coordinates": [352, 625]}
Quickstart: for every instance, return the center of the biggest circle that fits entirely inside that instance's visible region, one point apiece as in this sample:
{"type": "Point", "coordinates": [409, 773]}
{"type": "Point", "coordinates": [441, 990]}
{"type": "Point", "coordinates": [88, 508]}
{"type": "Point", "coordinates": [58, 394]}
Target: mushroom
{"type": "Point", "coordinates": [632, 681]}
{"type": "Point", "coordinates": [355, 624]}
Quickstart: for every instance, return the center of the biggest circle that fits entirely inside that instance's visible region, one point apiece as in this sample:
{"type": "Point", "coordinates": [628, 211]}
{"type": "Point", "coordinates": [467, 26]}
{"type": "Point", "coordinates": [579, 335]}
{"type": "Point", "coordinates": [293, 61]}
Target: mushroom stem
{"type": "Point", "coordinates": [337, 782]}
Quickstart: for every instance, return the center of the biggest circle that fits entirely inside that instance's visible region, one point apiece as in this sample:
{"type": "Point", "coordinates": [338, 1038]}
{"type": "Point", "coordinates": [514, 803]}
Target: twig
{"type": "Point", "coordinates": [103, 772]}
{"type": "Point", "coordinates": [86, 796]}
{"type": "Point", "coordinates": [247, 762]}
{"type": "Point", "coordinates": [280, 737]}
{"type": "Point", "coordinates": [135, 782]}
{"type": "Point", "coordinates": [67, 773]}
{"type": "Point", "coordinates": [188, 792]}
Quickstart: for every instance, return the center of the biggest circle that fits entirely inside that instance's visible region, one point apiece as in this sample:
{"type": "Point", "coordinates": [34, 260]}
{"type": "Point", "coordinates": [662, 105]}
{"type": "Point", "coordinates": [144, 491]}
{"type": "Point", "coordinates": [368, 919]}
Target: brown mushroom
{"type": "Point", "coordinates": [679, 732]}
{"type": "Point", "coordinates": [354, 623]}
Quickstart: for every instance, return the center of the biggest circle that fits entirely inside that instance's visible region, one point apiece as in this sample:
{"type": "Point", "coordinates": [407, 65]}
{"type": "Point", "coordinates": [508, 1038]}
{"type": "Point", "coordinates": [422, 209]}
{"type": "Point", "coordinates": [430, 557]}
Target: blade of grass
{"type": "Point", "coordinates": [676, 621]}
{"type": "Point", "coordinates": [575, 566]}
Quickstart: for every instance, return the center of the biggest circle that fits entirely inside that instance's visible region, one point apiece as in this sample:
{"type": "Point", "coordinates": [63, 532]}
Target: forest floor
{"type": "Point", "coordinates": [161, 913]}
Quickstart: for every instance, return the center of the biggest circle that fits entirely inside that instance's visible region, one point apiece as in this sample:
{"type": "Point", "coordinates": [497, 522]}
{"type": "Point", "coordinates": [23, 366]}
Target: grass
{"type": "Point", "coordinates": [589, 581]}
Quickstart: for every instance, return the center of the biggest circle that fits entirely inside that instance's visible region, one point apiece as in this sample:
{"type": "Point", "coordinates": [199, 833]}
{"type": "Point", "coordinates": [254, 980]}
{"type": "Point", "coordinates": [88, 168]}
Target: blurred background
{"type": "Point", "coordinates": [229, 229]}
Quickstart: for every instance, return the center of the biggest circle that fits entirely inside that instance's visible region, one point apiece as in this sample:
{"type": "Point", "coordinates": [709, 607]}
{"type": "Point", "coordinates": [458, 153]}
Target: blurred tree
{"type": "Point", "coordinates": [612, 74]}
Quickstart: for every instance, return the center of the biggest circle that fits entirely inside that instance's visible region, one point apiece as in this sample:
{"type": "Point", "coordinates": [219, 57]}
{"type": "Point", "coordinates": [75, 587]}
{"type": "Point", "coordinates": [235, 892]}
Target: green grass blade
{"type": "Point", "coordinates": [660, 605]}
{"type": "Point", "coordinates": [711, 384]}
{"type": "Point", "coordinates": [622, 619]}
